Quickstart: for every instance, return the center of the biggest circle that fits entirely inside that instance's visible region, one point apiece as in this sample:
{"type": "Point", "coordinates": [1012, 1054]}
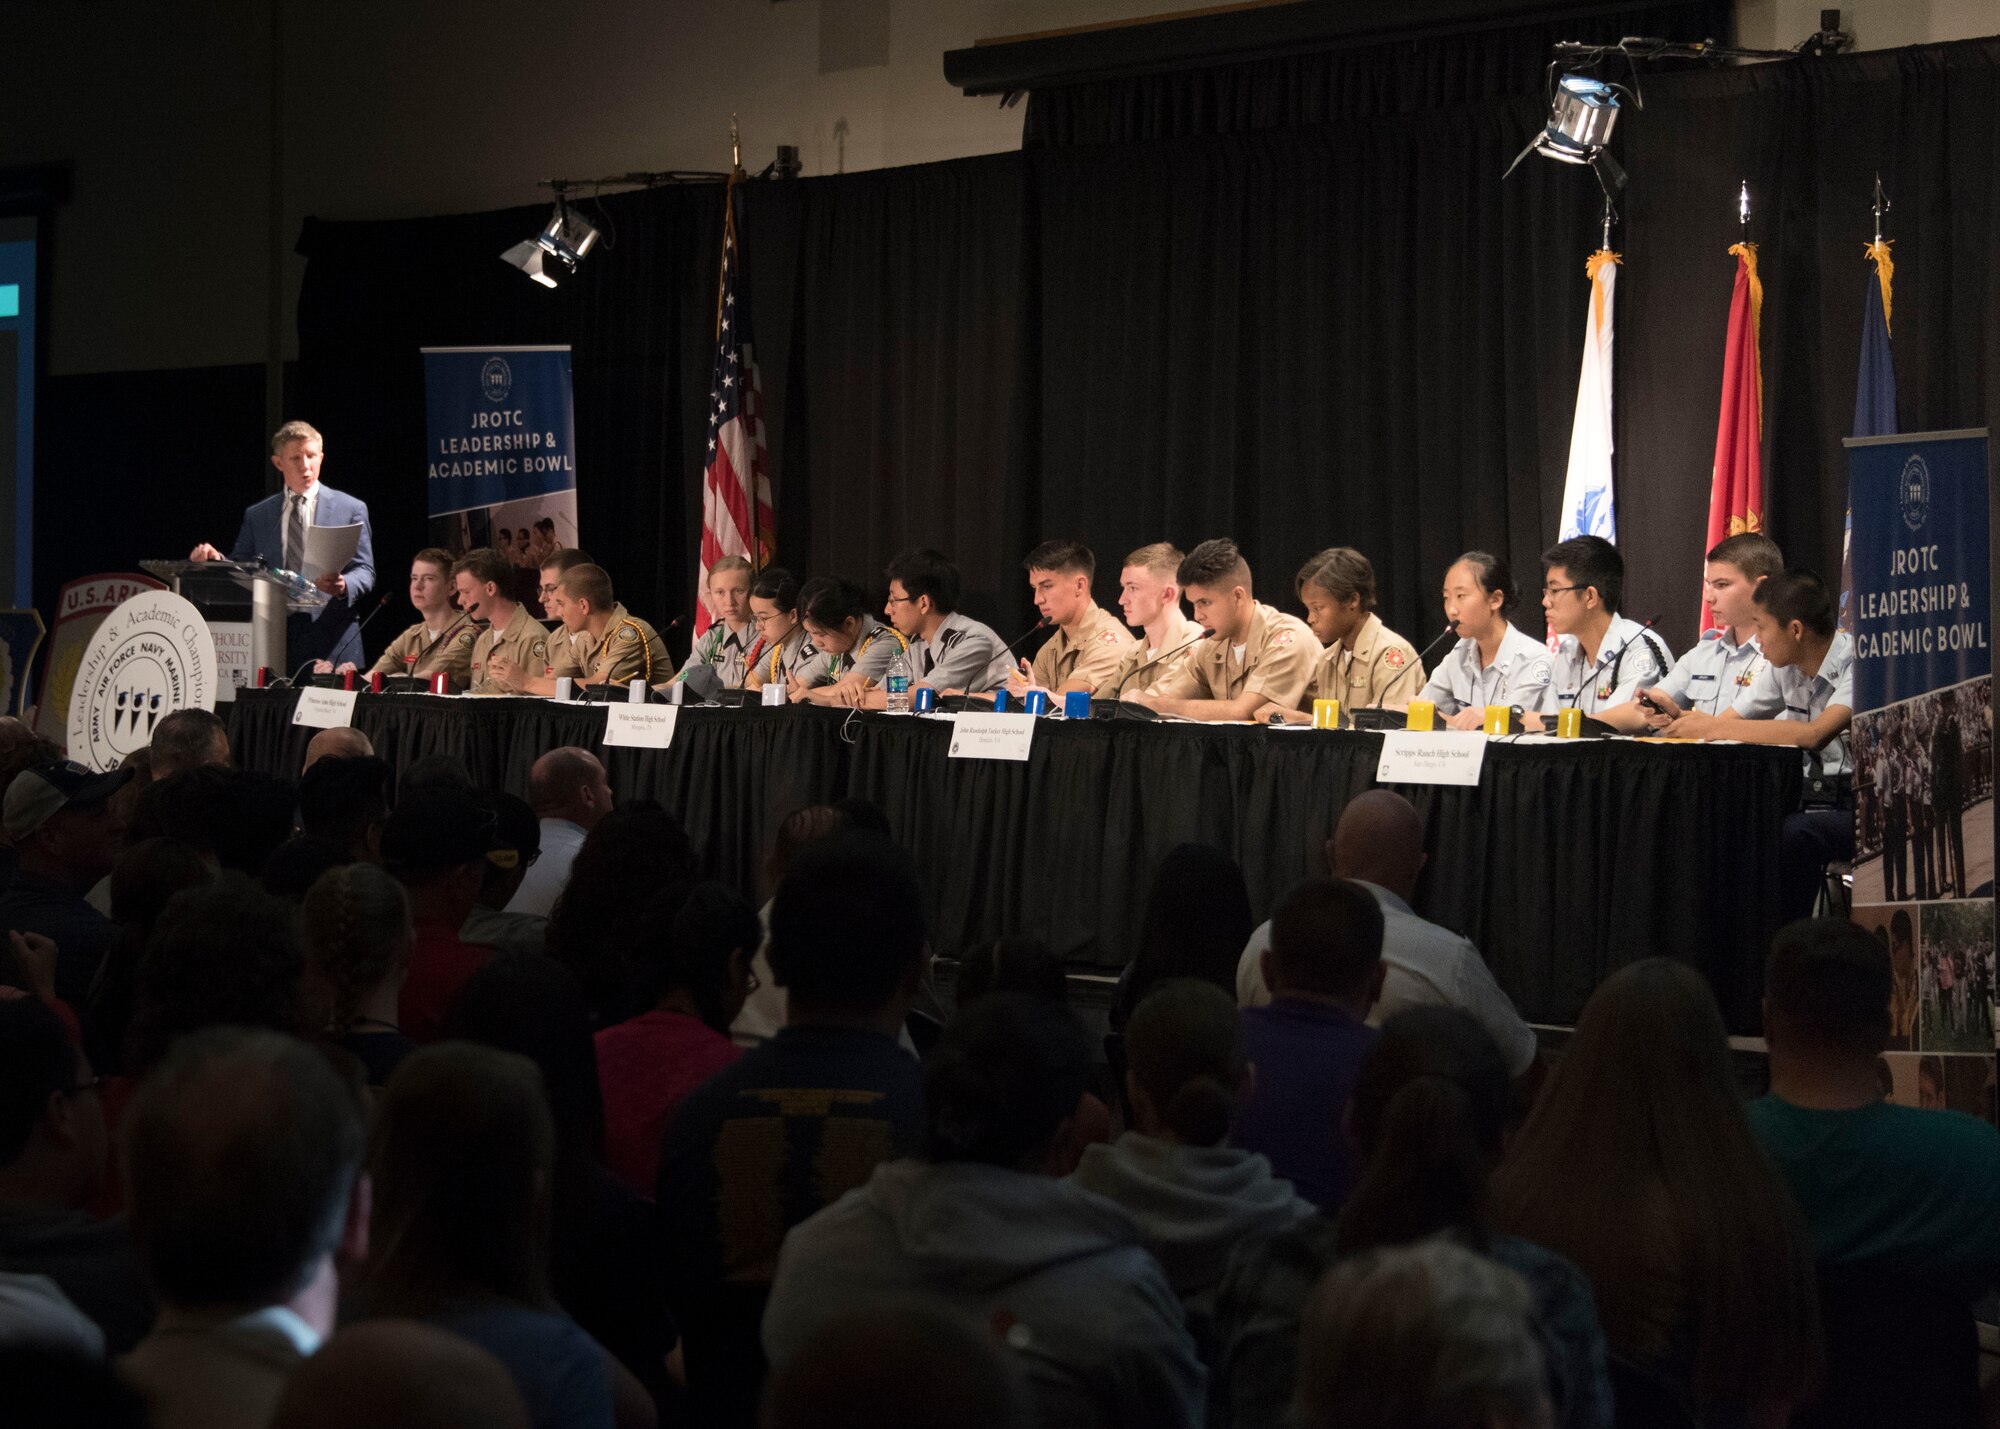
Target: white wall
{"type": "Point", "coordinates": [407, 107]}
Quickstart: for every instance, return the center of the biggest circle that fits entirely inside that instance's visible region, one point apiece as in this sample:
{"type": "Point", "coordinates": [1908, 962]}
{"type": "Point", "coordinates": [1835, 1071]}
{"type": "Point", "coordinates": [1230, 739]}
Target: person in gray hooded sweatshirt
{"type": "Point", "coordinates": [1195, 1198]}
{"type": "Point", "coordinates": [983, 1227]}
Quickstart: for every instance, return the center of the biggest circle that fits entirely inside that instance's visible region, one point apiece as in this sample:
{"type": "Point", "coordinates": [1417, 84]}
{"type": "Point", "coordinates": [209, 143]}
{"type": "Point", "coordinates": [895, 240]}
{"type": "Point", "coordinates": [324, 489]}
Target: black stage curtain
{"type": "Point", "coordinates": [1352, 333]}
{"type": "Point", "coordinates": [1477, 61]}
{"type": "Point", "coordinates": [1581, 858]}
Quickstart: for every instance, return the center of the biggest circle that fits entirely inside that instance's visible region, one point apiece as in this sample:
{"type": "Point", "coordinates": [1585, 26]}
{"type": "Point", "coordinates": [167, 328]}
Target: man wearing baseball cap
{"type": "Point", "coordinates": [438, 844]}
{"type": "Point", "coordinates": [65, 834]}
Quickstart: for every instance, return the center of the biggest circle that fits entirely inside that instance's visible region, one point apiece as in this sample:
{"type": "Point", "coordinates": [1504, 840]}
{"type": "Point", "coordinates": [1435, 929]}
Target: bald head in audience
{"type": "Point", "coordinates": [569, 783]}
{"type": "Point", "coordinates": [1379, 840]}
{"type": "Point", "coordinates": [908, 1364]}
{"type": "Point", "coordinates": [400, 1374]}
{"type": "Point", "coordinates": [345, 742]}
{"type": "Point", "coordinates": [188, 739]}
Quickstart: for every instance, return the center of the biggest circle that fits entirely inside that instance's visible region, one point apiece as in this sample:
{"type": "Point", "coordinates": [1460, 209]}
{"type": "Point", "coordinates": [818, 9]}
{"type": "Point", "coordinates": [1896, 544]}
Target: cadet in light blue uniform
{"type": "Point", "coordinates": [1710, 677]}
{"type": "Point", "coordinates": [1804, 699]}
{"type": "Point", "coordinates": [1494, 663]}
{"type": "Point", "coordinates": [1603, 659]}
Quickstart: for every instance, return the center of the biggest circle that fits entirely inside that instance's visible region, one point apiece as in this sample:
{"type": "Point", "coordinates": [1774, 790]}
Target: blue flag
{"type": "Point", "coordinates": [1874, 399]}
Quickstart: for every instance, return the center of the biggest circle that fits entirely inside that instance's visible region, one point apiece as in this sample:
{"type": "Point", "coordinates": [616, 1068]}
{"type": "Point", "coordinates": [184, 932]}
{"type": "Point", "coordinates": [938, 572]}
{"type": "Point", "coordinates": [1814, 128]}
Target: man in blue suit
{"type": "Point", "coordinates": [275, 527]}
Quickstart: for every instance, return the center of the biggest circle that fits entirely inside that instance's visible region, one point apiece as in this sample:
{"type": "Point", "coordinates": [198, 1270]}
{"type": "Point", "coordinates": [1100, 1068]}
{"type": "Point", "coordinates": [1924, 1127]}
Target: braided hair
{"type": "Point", "coordinates": [357, 932]}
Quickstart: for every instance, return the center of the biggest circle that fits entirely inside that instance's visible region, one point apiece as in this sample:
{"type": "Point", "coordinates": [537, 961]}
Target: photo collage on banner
{"type": "Point", "coordinates": [501, 456]}
{"type": "Point", "coordinates": [1923, 757]}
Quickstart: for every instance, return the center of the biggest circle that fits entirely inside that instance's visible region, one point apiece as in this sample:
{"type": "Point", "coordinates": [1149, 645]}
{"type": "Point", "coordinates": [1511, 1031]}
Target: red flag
{"type": "Point", "coordinates": [735, 490]}
{"type": "Point", "coordinates": [1736, 493]}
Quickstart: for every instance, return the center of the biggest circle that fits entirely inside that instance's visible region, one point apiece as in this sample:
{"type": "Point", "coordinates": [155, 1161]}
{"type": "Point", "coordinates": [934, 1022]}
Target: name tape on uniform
{"type": "Point", "coordinates": [325, 709]}
{"type": "Point", "coordinates": [1439, 757]}
{"type": "Point", "coordinates": [640, 726]}
{"type": "Point", "coordinates": [992, 736]}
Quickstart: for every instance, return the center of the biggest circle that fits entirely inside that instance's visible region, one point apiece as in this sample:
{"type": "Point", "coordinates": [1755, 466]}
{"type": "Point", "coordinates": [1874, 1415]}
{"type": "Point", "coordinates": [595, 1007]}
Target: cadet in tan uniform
{"type": "Point", "coordinates": [514, 642]}
{"type": "Point", "coordinates": [624, 647]}
{"type": "Point", "coordinates": [1366, 663]}
{"type": "Point", "coordinates": [441, 640]}
{"type": "Point", "coordinates": [1149, 593]}
{"type": "Point", "coordinates": [1090, 642]}
{"type": "Point", "coordinates": [854, 647]}
{"type": "Point", "coordinates": [1257, 656]}
{"type": "Point", "coordinates": [569, 652]}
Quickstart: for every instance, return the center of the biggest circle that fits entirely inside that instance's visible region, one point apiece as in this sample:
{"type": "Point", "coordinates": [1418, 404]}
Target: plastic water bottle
{"type": "Point", "coordinates": [896, 684]}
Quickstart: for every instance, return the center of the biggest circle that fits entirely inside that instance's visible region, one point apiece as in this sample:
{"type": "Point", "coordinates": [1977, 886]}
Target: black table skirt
{"type": "Point", "coordinates": [1565, 862]}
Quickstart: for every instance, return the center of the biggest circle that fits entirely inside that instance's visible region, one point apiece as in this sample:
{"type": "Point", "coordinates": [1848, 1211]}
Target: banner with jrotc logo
{"type": "Point", "coordinates": [501, 459]}
{"type": "Point", "coordinates": [1923, 750]}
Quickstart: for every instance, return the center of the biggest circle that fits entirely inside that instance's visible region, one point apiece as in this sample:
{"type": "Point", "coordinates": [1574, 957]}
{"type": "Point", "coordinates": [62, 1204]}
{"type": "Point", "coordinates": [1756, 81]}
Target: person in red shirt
{"type": "Point", "coordinates": [699, 955]}
{"type": "Point", "coordinates": [438, 843]}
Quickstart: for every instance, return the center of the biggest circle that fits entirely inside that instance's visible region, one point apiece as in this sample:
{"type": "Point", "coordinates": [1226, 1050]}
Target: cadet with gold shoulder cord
{"type": "Point", "coordinates": [1366, 664]}
{"type": "Point", "coordinates": [514, 643]}
{"type": "Point", "coordinates": [727, 643]}
{"type": "Point", "coordinates": [626, 647]}
{"type": "Point", "coordinates": [1254, 656]}
{"type": "Point", "coordinates": [440, 643]}
{"type": "Point", "coordinates": [570, 652]}
{"type": "Point", "coordinates": [782, 648]}
{"type": "Point", "coordinates": [854, 647]}
{"type": "Point", "coordinates": [1090, 642]}
{"type": "Point", "coordinates": [1149, 594]}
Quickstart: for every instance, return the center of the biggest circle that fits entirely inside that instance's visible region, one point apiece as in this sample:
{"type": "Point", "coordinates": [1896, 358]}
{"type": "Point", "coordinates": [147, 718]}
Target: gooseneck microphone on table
{"type": "Point", "coordinates": [1375, 705]}
{"type": "Point", "coordinates": [359, 626]}
{"type": "Point", "coordinates": [1117, 695]}
{"type": "Point", "coordinates": [587, 691]}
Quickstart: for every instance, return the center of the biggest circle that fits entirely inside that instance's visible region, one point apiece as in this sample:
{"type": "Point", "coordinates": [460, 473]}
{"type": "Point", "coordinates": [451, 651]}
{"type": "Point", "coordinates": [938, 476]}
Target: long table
{"type": "Point", "coordinates": [1567, 860]}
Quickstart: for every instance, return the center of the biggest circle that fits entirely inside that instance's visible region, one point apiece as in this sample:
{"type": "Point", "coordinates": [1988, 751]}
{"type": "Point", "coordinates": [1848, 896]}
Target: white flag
{"type": "Point", "coordinates": [1587, 508]}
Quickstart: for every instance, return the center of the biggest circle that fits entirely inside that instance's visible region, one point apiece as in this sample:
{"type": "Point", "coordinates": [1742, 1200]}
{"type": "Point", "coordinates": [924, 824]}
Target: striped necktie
{"type": "Point", "coordinates": [295, 533]}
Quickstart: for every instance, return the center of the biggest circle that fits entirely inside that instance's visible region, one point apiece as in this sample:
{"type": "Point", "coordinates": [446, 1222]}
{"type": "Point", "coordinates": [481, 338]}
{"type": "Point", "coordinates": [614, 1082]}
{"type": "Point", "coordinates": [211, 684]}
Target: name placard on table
{"type": "Point", "coordinates": [325, 709]}
{"type": "Point", "coordinates": [640, 726]}
{"type": "Point", "coordinates": [992, 736]}
{"type": "Point", "coordinates": [1439, 757]}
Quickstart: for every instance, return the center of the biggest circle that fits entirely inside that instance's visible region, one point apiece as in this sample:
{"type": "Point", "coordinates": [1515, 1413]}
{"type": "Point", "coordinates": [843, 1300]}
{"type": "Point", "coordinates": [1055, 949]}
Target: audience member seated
{"type": "Point", "coordinates": [605, 1248]}
{"type": "Point", "coordinates": [631, 856]}
{"type": "Point", "coordinates": [764, 1010]}
{"type": "Point", "coordinates": [20, 748]}
{"type": "Point", "coordinates": [146, 877]}
{"type": "Point", "coordinates": [1903, 1204]}
{"type": "Point", "coordinates": [1023, 964]}
{"type": "Point", "coordinates": [188, 739]}
{"type": "Point", "coordinates": [52, 1162]}
{"type": "Point", "coordinates": [1196, 920]}
{"type": "Point", "coordinates": [53, 1389]}
{"type": "Point", "coordinates": [463, 1156]}
{"type": "Point", "coordinates": [569, 794]}
{"type": "Point", "coordinates": [1379, 843]}
{"type": "Point", "coordinates": [223, 954]}
{"type": "Point", "coordinates": [1324, 968]}
{"type": "Point", "coordinates": [358, 934]}
{"type": "Point", "coordinates": [1637, 1165]}
{"type": "Point", "coordinates": [400, 1374]}
{"type": "Point", "coordinates": [984, 1226]}
{"type": "Point", "coordinates": [296, 865]}
{"type": "Point", "coordinates": [436, 844]}
{"type": "Point", "coordinates": [58, 818]}
{"type": "Point", "coordinates": [1419, 1337]}
{"type": "Point", "coordinates": [433, 774]}
{"type": "Point", "coordinates": [344, 799]}
{"type": "Point", "coordinates": [341, 742]}
{"type": "Point", "coordinates": [698, 953]}
{"type": "Point", "coordinates": [912, 1365]}
{"type": "Point", "coordinates": [489, 923]}
{"type": "Point", "coordinates": [1430, 1113]}
{"type": "Point", "coordinates": [1193, 1196]}
{"type": "Point", "coordinates": [243, 1167]}
{"type": "Point", "coordinates": [237, 817]}
{"type": "Point", "coordinates": [802, 1119]}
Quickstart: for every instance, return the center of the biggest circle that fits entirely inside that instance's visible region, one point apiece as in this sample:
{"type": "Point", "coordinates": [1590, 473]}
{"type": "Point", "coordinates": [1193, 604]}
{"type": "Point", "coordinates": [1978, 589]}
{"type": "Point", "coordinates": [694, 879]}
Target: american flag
{"type": "Point", "coordinates": [735, 491]}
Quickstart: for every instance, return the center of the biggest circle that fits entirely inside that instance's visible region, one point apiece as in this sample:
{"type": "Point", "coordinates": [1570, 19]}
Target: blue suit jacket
{"type": "Point", "coordinates": [331, 633]}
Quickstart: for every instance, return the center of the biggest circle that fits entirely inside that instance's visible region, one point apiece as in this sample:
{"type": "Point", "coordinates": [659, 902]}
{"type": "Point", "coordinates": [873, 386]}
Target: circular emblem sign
{"type": "Point", "coordinates": [1914, 493]}
{"type": "Point", "coordinates": [496, 379]}
{"type": "Point", "coordinates": [152, 655]}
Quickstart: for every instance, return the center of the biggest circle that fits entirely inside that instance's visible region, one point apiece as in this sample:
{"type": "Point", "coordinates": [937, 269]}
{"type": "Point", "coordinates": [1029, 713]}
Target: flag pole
{"type": "Point", "coordinates": [1743, 211]}
{"type": "Point", "coordinates": [1610, 217]}
{"type": "Point", "coordinates": [1882, 206]}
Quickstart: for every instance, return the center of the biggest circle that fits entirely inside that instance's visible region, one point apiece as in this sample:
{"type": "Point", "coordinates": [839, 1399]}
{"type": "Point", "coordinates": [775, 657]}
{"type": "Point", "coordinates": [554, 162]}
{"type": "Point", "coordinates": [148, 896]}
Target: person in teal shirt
{"type": "Point", "coordinates": [1908, 1190]}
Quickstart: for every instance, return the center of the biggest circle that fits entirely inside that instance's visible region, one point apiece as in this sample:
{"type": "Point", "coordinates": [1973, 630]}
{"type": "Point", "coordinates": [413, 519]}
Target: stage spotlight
{"type": "Point", "coordinates": [1582, 114]}
{"type": "Point", "coordinates": [563, 242]}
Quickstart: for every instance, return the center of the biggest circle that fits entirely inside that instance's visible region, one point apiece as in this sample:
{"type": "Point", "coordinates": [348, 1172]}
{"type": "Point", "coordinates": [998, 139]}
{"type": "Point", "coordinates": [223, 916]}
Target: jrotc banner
{"type": "Point", "coordinates": [1923, 752]}
{"type": "Point", "coordinates": [501, 451]}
